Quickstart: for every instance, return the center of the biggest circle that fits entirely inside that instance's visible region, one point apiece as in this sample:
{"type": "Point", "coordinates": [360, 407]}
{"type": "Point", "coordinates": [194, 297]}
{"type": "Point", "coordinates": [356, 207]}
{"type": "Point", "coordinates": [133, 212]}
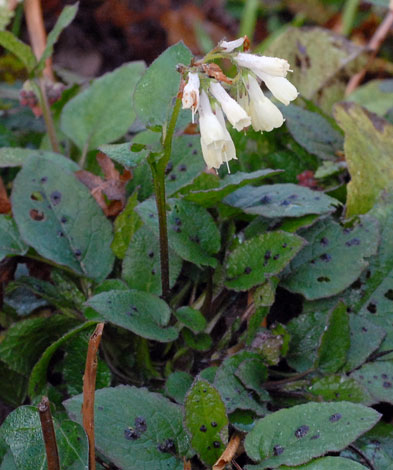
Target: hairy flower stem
{"type": "Point", "coordinates": [158, 172]}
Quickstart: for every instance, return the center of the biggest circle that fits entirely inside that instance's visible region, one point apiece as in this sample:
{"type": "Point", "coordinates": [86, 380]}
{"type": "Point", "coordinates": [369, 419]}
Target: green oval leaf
{"type": "Point", "coordinates": [140, 312]}
{"type": "Point", "coordinates": [295, 435]}
{"type": "Point", "coordinates": [61, 220]}
{"type": "Point", "coordinates": [206, 420]}
{"type": "Point", "coordinates": [103, 112]}
{"type": "Point", "coordinates": [159, 85]}
{"type": "Point", "coordinates": [135, 428]}
{"type": "Point", "coordinates": [263, 256]}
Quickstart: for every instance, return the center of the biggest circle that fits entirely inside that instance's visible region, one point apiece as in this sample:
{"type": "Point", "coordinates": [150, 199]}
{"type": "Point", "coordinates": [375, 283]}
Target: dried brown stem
{"type": "Point", "coordinates": [48, 433]}
{"type": "Point", "coordinates": [373, 46]}
{"type": "Point", "coordinates": [37, 33]}
{"type": "Point", "coordinates": [89, 385]}
{"type": "Point", "coordinates": [228, 453]}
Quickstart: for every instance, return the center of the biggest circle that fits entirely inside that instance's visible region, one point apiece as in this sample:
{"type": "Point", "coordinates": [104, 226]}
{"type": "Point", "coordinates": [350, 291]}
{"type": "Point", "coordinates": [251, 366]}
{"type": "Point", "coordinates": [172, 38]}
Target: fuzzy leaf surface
{"type": "Point", "coordinates": [206, 420]}
{"type": "Point", "coordinates": [289, 436]}
{"type": "Point", "coordinates": [115, 419]}
{"type": "Point", "coordinates": [140, 312]}
{"type": "Point", "coordinates": [61, 220]}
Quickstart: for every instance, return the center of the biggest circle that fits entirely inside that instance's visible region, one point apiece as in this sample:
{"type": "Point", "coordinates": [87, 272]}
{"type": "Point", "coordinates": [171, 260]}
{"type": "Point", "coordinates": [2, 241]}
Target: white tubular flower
{"type": "Point", "coordinates": [229, 46]}
{"type": "Point", "coordinates": [262, 64]}
{"type": "Point", "coordinates": [216, 143]}
{"type": "Point", "coordinates": [232, 109]}
{"type": "Point", "coordinates": [191, 94]}
{"type": "Point", "coordinates": [265, 116]}
{"type": "Point", "coordinates": [281, 88]}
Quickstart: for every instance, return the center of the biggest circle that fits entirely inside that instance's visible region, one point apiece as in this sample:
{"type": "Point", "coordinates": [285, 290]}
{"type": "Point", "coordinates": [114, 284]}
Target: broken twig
{"type": "Point", "coordinates": [48, 433]}
{"type": "Point", "coordinates": [89, 385]}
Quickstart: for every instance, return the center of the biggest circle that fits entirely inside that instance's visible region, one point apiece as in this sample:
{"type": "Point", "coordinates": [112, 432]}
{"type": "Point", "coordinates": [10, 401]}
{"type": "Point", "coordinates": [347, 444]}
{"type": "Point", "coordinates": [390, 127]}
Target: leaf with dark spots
{"type": "Point", "coordinates": [317, 273]}
{"type": "Point", "coordinates": [307, 420]}
{"type": "Point", "coordinates": [252, 262]}
{"type": "Point", "coordinates": [379, 388]}
{"type": "Point", "coordinates": [164, 427]}
{"type": "Point", "coordinates": [140, 312]}
{"type": "Point", "coordinates": [281, 201]}
{"type": "Point", "coordinates": [302, 431]}
{"type": "Point", "coordinates": [73, 212]}
{"type": "Point", "coordinates": [202, 404]}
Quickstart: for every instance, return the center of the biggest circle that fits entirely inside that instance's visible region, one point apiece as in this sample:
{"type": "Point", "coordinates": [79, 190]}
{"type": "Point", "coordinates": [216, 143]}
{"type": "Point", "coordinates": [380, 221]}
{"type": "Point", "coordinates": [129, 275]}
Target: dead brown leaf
{"type": "Point", "coordinates": [228, 453]}
{"type": "Point", "coordinates": [109, 192]}
{"type": "Point", "coordinates": [5, 204]}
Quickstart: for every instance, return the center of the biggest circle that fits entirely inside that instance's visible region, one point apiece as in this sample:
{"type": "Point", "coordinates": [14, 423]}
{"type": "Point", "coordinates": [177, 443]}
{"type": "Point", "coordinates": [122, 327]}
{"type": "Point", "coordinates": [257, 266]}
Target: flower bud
{"type": "Point", "coordinates": [229, 46]}
{"type": "Point", "coordinates": [191, 94]}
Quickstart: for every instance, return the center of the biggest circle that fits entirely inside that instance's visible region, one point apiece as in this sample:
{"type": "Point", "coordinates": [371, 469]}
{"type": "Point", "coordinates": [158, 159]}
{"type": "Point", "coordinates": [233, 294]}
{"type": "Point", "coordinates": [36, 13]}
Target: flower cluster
{"type": "Point", "coordinates": [204, 93]}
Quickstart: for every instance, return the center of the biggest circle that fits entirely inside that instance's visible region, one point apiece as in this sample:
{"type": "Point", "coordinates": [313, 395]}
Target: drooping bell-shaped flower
{"type": "Point", "coordinates": [232, 109]}
{"type": "Point", "coordinates": [216, 143]}
{"type": "Point", "coordinates": [263, 64]}
{"type": "Point", "coordinates": [229, 46]}
{"type": "Point", "coordinates": [265, 116]}
{"type": "Point", "coordinates": [281, 88]}
{"type": "Point", "coordinates": [191, 94]}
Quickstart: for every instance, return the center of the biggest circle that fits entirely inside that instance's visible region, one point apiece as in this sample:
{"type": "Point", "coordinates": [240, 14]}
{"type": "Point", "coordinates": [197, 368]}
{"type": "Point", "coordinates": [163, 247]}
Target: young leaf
{"type": "Point", "coordinates": [22, 51]}
{"type": "Point", "coordinates": [335, 341]}
{"type": "Point", "coordinates": [206, 420]}
{"type": "Point", "coordinates": [281, 200]}
{"type": "Point", "coordinates": [22, 432]}
{"type": "Point", "coordinates": [66, 17]}
{"type": "Point", "coordinates": [134, 426]}
{"type": "Point", "coordinates": [252, 262]}
{"type": "Point", "coordinates": [333, 259]}
{"type": "Point", "coordinates": [140, 312]}
{"type": "Point", "coordinates": [60, 219]}
{"type": "Point", "coordinates": [295, 435]}
{"type": "Point", "coordinates": [159, 85]}
{"type": "Point", "coordinates": [191, 318]}
{"type": "Point", "coordinates": [102, 113]}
